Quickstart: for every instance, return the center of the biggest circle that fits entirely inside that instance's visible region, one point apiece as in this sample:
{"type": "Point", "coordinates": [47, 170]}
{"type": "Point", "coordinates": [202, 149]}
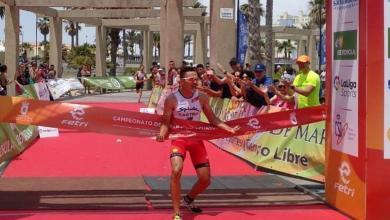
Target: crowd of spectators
{"type": "Point", "coordinates": [286, 88]}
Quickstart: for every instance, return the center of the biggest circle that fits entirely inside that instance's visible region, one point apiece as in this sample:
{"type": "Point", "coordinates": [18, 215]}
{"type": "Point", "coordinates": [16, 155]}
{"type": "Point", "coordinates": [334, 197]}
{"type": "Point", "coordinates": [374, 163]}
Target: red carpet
{"type": "Point", "coordinates": [89, 154]}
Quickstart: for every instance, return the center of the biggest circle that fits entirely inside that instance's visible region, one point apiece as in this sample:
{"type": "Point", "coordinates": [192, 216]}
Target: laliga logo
{"type": "Point", "coordinates": [254, 123]}
{"type": "Point", "coordinates": [344, 171]}
{"type": "Point", "coordinates": [337, 83]}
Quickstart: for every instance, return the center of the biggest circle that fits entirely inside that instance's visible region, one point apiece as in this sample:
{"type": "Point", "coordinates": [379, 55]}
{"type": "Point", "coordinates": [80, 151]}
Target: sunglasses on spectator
{"type": "Point", "coordinates": [281, 87]}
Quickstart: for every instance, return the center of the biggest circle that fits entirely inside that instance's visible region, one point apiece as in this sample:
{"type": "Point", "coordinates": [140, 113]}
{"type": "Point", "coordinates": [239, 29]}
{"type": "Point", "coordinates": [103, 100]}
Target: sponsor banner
{"type": "Point", "coordinates": [243, 32]}
{"type": "Point", "coordinates": [96, 119]}
{"type": "Point", "coordinates": [42, 91]}
{"type": "Point", "coordinates": [58, 87]}
{"type": "Point", "coordinates": [43, 94]}
{"type": "Point", "coordinates": [120, 82]}
{"type": "Point", "coordinates": [128, 82]}
{"type": "Point", "coordinates": [155, 96]}
{"type": "Point", "coordinates": [14, 139]}
{"type": "Point", "coordinates": [297, 151]}
{"type": "Point", "coordinates": [345, 77]}
{"type": "Point", "coordinates": [387, 81]}
{"type": "Point", "coordinates": [74, 84]}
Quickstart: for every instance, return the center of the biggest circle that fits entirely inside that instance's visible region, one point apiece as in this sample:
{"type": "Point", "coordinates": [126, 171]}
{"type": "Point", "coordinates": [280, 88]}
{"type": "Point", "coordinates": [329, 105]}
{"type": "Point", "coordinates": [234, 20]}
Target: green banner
{"type": "Point", "coordinates": [16, 138]}
{"type": "Point", "coordinates": [128, 82]}
{"type": "Point", "coordinates": [297, 151]}
{"type": "Point", "coordinates": [345, 45]}
{"type": "Point", "coordinates": [114, 83]}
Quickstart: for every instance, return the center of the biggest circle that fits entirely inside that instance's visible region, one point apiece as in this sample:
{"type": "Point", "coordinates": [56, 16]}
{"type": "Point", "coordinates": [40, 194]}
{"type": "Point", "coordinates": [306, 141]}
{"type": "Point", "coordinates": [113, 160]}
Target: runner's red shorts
{"type": "Point", "coordinates": [196, 149]}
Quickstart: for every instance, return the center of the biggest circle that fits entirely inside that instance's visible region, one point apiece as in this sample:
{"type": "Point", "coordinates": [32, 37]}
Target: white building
{"type": "Point", "coordinates": [287, 20]}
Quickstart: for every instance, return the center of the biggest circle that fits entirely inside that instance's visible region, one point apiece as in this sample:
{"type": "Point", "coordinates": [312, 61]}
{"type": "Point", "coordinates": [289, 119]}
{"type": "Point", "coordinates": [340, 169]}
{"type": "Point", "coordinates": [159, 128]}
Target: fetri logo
{"type": "Point", "coordinates": [77, 113]}
{"type": "Point", "coordinates": [254, 123]}
{"type": "Point", "coordinates": [342, 186]}
{"type": "Point", "coordinates": [293, 118]}
{"type": "Point", "coordinates": [344, 171]}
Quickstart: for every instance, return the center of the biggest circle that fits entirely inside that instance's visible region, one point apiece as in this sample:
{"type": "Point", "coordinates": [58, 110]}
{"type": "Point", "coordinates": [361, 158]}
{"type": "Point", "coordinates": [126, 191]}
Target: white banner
{"type": "Point", "coordinates": [74, 84]}
{"type": "Point", "coordinates": [387, 81]}
{"type": "Point", "coordinates": [42, 91]}
{"type": "Point", "coordinates": [345, 80]}
{"type": "Point", "coordinates": [58, 87]}
{"type": "Point", "coordinates": [44, 94]}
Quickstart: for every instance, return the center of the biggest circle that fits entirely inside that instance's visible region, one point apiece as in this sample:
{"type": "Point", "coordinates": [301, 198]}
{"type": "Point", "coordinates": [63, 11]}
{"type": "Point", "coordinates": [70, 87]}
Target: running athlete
{"type": "Point", "coordinates": [140, 78]}
{"type": "Point", "coordinates": [187, 103]}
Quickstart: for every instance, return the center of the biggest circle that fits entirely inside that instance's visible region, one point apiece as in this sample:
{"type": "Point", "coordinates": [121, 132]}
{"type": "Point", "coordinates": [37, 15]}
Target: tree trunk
{"type": "Point", "coordinates": [77, 34]}
{"type": "Point", "coordinates": [254, 38]}
{"type": "Point", "coordinates": [270, 44]}
{"type": "Point", "coordinates": [114, 34]}
{"type": "Point", "coordinates": [45, 38]}
{"type": "Point", "coordinates": [72, 42]}
{"type": "Point", "coordinates": [124, 45]}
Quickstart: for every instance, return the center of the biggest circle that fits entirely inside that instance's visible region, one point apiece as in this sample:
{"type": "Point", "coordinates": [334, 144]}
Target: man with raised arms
{"type": "Point", "coordinates": [188, 103]}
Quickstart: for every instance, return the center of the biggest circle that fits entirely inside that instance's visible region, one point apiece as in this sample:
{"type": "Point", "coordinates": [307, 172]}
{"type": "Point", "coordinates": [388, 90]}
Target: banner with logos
{"type": "Point", "coordinates": [59, 87]}
{"type": "Point", "coordinates": [14, 139]}
{"type": "Point", "coordinates": [345, 77]}
{"type": "Point", "coordinates": [346, 154]}
{"type": "Point", "coordinates": [297, 151]}
{"type": "Point", "coordinates": [113, 83]}
{"type": "Point", "coordinates": [387, 80]}
{"type": "Point", "coordinates": [243, 32]}
{"type": "Point", "coordinates": [120, 122]}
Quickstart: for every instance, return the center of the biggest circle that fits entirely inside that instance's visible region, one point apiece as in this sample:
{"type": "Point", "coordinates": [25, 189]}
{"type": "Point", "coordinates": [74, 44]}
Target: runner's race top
{"type": "Point", "coordinates": [187, 108]}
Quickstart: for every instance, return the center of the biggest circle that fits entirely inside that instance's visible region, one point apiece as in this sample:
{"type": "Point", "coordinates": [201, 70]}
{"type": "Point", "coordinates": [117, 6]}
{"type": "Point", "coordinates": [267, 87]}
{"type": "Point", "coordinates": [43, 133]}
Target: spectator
{"type": "Point", "coordinates": [255, 91]}
{"type": "Point", "coordinates": [306, 84]}
{"type": "Point", "coordinates": [277, 74]}
{"type": "Point", "coordinates": [52, 72]}
{"type": "Point", "coordinates": [22, 78]}
{"type": "Point", "coordinates": [282, 98]}
{"type": "Point", "coordinates": [3, 80]}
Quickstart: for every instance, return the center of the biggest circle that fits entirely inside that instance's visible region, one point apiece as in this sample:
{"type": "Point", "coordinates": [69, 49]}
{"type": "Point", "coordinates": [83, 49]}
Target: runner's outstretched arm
{"type": "Point", "coordinates": [169, 105]}
{"type": "Point", "coordinates": [214, 120]}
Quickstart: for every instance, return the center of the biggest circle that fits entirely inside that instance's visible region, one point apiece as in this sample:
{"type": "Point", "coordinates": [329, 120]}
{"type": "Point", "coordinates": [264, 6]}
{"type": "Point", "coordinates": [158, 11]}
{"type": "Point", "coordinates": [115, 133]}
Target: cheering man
{"type": "Point", "coordinates": [187, 103]}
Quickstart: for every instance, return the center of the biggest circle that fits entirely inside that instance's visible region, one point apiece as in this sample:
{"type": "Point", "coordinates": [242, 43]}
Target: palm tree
{"type": "Point", "coordinates": [269, 37]}
{"type": "Point", "coordinates": [115, 41]}
{"type": "Point", "coordinates": [156, 43]}
{"type": "Point", "coordinates": [317, 13]}
{"type": "Point", "coordinates": [44, 27]}
{"type": "Point", "coordinates": [287, 48]}
{"type": "Point", "coordinates": [187, 41]}
{"type": "Point", "coordinates": [2, 11]}
{"type": "Point", "coordinates": [125, 45]}
{"type": "Point", "coordinates": [70, 28]}
{"type": "Point", "coordinates": [255, 11]}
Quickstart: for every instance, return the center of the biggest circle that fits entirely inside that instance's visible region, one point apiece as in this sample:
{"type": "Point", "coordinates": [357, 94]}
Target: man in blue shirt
{"type": "Point", "coordinates": [257, 88]}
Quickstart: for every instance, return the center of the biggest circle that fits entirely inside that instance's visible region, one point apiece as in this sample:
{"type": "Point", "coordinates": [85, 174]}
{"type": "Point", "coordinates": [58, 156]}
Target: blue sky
{"type": "Point", "coordinates": [87, 34]}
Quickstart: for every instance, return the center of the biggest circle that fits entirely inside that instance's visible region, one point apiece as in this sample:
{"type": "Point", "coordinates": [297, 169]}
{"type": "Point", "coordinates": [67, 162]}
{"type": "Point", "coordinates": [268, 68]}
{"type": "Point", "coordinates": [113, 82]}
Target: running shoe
{"type": "Point", "coordinates": [191, 206]}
